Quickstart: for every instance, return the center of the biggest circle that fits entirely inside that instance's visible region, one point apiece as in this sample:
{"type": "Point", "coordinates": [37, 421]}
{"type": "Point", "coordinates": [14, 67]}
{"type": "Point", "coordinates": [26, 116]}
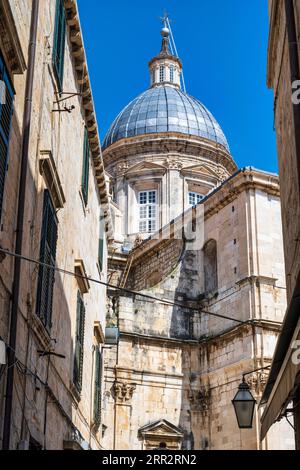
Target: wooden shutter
{"type": "Point", "coordinates": [85, 168]}
{"type": "Point", "coordinates": [6, 112]}
{"type": "Point", "coordinates": [46, 276]}
{"type": "Point", "coordinates": [101, 243]}
{"type": "Point", "coordinates": [100, 254]}
{"type": "Point", "coordinates": [79, 343]}
{"type": "Point", "coordinates": [97, 387]}
{"type": "Point", "coordinates": [59, 42]}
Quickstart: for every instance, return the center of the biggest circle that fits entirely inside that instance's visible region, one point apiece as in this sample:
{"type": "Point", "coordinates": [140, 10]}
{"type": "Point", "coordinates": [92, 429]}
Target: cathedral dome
{"type": "Point", "coordinates": [165, 108]}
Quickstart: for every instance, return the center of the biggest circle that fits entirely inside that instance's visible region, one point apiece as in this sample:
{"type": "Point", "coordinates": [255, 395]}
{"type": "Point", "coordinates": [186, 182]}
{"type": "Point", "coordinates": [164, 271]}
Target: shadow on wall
{"type": "Point", "coordinates": [198, 279]}
{"type": "Point", "coordinates": [34, 413]}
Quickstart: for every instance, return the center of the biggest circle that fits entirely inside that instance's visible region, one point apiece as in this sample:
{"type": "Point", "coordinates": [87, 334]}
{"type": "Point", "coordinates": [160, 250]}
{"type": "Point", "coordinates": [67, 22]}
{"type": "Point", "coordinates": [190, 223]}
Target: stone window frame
{"type": "Point", "coordinates": [196, 186]}
{"type": "Point", "coordinates": [133, 188]}
{"type": "Point", "coordinates": [172, 73]}
{"type": "Point", "coordinates": [149, 206]}
{"type": "Point", "coordinates": [162, 73]}
{"type": "Point", "coordinates": [196, 196]}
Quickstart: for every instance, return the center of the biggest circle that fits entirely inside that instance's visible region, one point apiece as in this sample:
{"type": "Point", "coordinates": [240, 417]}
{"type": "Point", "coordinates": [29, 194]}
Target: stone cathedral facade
{"type": "Point", "coordinates": [210, 311]}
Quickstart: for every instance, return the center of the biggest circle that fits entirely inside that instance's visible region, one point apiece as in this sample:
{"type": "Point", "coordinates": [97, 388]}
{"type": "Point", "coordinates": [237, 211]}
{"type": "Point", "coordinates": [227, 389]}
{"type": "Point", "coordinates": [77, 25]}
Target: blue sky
{"type": "Point", "coordinates": [223, 47]}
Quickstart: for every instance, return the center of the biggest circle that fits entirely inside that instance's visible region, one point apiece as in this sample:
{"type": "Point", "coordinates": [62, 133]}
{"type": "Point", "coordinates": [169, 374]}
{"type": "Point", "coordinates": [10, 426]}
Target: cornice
{"type": "Point", "coordinates": [83, 81]}
{"type": "Point", "coordinates": [10, 39]}
{"type": "Point", "coordinates": [273, 40]}
{"type": "Point", "coordinates": [245, 179]}
{"type": "Point", "coordinates": [181, 145]}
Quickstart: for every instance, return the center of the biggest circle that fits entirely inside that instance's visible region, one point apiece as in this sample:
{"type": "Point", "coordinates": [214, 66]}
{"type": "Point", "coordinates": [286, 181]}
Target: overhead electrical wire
{"type": "Point", "coordinates": [122, 289]}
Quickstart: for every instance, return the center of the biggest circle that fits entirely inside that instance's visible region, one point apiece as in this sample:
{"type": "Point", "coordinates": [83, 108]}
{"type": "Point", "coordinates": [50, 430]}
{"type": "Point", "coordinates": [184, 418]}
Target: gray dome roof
{"type": "Point", "coordinates": [165, 109]}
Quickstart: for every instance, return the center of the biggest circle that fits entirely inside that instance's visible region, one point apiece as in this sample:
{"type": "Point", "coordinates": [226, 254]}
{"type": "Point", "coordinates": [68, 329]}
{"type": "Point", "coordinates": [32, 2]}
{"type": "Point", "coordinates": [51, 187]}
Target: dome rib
{"type": "Point", "coordinates": [165, 109]}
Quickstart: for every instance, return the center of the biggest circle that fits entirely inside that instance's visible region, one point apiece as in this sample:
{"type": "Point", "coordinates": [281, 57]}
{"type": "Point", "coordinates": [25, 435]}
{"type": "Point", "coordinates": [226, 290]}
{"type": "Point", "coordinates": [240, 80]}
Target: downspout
{"type": "Point", "coordinates": [295, 75]}
{"type": "Point", "coordinates": [19, 230]}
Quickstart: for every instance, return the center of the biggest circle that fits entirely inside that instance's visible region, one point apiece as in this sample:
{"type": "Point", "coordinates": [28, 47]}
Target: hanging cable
{"type": "Point", "coordinates": [173, 46]}
{"type": "Point", "coordinates": [123, 289]}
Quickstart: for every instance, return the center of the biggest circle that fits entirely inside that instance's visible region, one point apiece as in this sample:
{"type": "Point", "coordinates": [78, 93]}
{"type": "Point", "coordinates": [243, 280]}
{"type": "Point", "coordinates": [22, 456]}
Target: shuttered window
{"type": "Point", "coordinates": [101, 243]}
{"type": "Point", "coordinates": [79, 343]}
{"type": "Point", "coordinates": [97, 387]}
{"type": "Point", "coordinates": [59, 42]}
{"type": "Point", "coordinates": [85, 168]}
{"type": "Point", "coordinates": [46, 275]}
{"type": "Point", "coordinates": [100, 254]}
{"type": "Point", "coordinates": [6, 112]}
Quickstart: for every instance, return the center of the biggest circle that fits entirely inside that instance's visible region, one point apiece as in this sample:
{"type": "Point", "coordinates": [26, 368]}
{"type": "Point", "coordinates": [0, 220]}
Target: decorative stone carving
{"type": "Point", "coordinates": [138, 240]}
{"type": "Point", "coordinates": [173, 163]}
{"type": "Point", "coordinates": [221, 173]}
{"type": "Point", "coordinates": [121, 169]}
{"type": "Point", "coordinates": [123, 391]}
{"type": "Point", "coordinates": [257, 381]}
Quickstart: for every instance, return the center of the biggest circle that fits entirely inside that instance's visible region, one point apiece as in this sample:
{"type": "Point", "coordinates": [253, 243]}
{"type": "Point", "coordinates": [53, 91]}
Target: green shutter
{"type": "Point", "coordinates": [46, 275]}
{"type": "Point", "coordinates": [101, 242]}
{"type": "Point", "coordinates": [97, 387]}
{"type": "Point", "coordinates": [85, 167]}
{"type": "Point", "coordinates": [59, 42]}
{"type": "Point", "coordinates": [6, 112]}
{"type": "Point", "coordinates": [79, 343]}
{"type": "Point", "coordinates": [100, 254]}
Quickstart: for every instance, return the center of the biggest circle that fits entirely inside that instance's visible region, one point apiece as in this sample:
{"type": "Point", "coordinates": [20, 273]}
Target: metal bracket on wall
{"type": "Point", "coordinates": [65, 108]}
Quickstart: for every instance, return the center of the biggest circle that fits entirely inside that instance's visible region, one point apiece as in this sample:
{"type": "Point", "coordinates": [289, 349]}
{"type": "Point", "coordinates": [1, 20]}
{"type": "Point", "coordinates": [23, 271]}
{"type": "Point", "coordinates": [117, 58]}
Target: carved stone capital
{"type": "Point", "coordinates": [173, 163]}
{"type": "Point", "coordinates": [121, 168]}
{"type": "Point", "coordinates": [123, 392]}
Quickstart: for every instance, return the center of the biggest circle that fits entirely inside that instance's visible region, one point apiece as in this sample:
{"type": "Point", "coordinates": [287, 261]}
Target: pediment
{"type": "Point", "coordinates": [161, 428]}
{"type": "Point", "coordinates": [145, 167]}
{"type": "Point", "coordinates": [202, 169]}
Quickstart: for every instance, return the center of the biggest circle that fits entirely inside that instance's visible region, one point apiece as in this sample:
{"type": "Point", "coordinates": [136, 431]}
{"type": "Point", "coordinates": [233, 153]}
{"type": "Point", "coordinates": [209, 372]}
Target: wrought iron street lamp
{"type": "Point", "coordinates": [244, 404]}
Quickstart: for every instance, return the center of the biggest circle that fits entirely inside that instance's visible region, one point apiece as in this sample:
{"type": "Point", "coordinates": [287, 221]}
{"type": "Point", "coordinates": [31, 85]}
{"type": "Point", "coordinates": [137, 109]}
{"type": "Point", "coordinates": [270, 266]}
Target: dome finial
{"type": "Point", "coordinates": [165, 32]}
{"type": "Point", "coordinates": [166, 68]}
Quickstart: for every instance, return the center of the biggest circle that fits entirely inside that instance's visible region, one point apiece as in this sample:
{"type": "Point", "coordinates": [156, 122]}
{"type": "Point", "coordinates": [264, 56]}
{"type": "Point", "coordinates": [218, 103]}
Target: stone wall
{"type": "Point", "coordinates": [279, 78]}
{"type": "Point", "coordinates": [181, 363]}
{"type": "Point", "coordinates": [62, 135]}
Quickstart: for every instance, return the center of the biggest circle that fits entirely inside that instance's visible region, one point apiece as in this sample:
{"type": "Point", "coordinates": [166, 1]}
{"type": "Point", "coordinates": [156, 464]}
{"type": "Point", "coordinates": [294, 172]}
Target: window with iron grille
{"type": "Point", "coordinates": [79, 343]}
{"type": "Point", "coordinates": [46, 274]}
{"type": "Point", "coordinates": [85, 168]}
{"type": "Point", "coordinates": [161, 73]}
{"type": "Point", "coordinates": [97, 387]}
{"type": "Point", "coordinates": [195, 198]}
{"type": "Point", "coordinates": [6, 112]}
{"type": "Point", "coordinates": [147, 211]}
{"type": "Point", "coordinates": [59, 42]}
{"type": "Point", "coordinates": [171, 73]}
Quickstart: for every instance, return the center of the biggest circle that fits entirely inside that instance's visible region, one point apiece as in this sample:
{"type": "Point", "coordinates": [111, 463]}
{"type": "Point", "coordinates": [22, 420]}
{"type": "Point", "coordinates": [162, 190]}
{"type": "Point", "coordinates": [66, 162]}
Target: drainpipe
{"type": "Point", "coordinates": [19, 230]}
{"type": "Point", "coordinates": [295, 75]}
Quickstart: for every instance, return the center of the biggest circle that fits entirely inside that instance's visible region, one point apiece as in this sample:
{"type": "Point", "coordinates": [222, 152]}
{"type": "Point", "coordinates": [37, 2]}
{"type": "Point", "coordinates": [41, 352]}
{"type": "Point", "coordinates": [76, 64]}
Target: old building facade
{"type": "Point", "coordinates": [198, 254]}
{"type": "Point", "coordinates": [57, 358]}
{"type": "Point", "coordinates": [282, 392]}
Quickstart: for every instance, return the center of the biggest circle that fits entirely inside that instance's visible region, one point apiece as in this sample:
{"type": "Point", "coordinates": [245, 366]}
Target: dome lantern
{"type": "Point", "coordinates": [165, 107]}
{"type": "Point", "coordinates": [165, 68]}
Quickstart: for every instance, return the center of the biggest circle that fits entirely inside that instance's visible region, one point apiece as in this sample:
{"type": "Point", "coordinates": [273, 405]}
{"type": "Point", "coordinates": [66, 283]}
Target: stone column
{"type": "Point", "coordinates": [175, 187]}
{"type": "Point", "coordinates": [120, 191]}
{"type": "Point", "coordinates": [123, 392]}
